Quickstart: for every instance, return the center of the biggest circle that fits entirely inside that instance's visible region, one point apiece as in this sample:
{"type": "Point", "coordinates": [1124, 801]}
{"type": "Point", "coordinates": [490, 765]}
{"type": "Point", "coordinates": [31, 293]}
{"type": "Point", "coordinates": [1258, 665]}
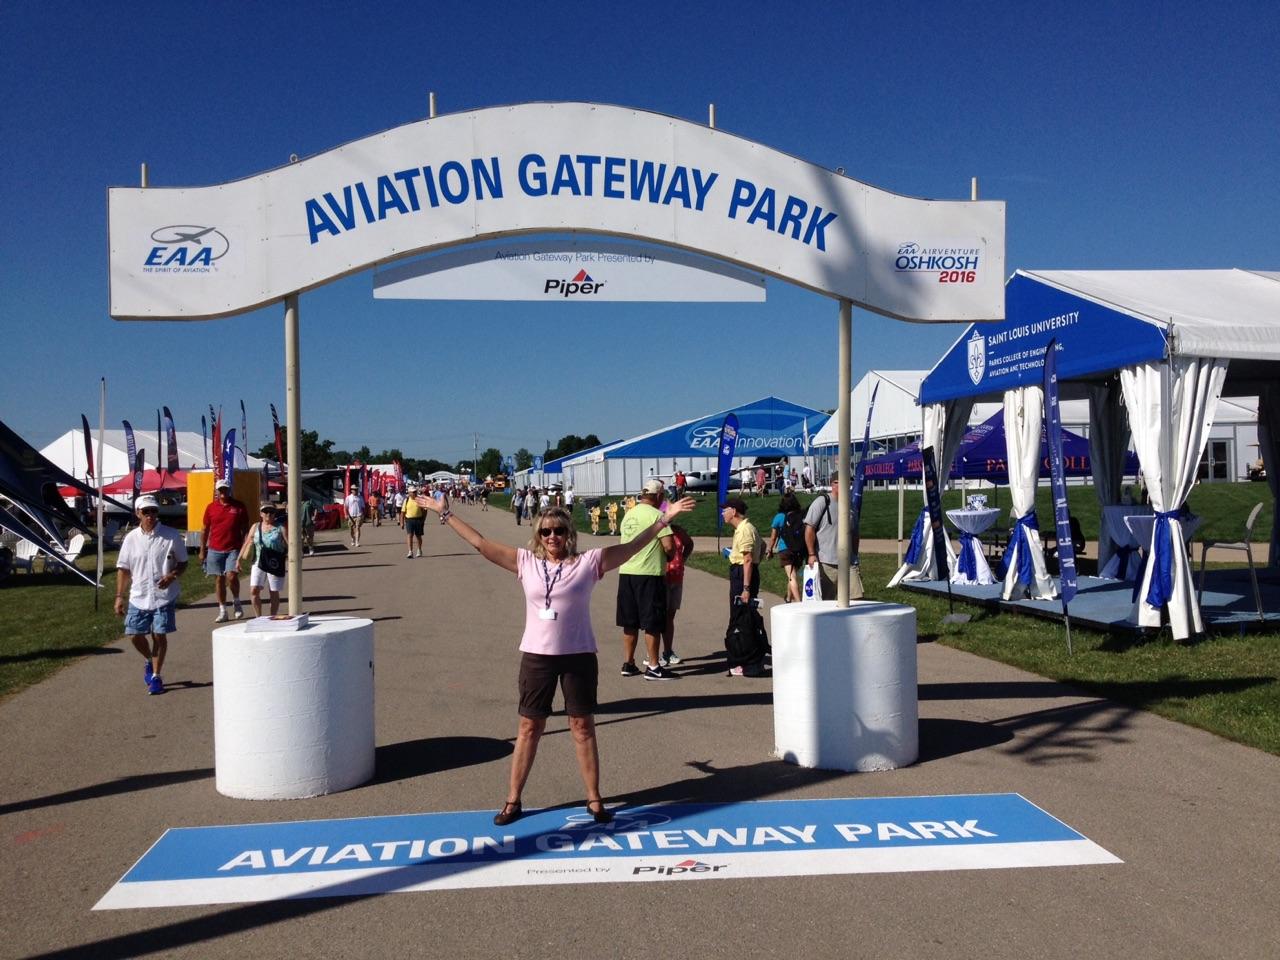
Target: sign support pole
{"type": "Point", "coordinates": [843, 531]}
{"type": "Point", "coordinates": [293, 450]}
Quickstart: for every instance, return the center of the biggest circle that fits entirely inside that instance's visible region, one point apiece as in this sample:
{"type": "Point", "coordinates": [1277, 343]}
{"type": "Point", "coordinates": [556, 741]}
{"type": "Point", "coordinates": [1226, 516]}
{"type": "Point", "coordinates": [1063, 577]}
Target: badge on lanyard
{"type": "Point", "coordinates": [547, 613]}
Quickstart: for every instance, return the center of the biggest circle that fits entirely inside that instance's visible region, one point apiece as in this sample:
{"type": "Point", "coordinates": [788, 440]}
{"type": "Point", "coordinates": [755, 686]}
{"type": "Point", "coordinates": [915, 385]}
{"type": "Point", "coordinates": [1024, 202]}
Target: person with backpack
{"type": "Point", "coordinates": [820, 542]}
{"type": "Point", "coordinates": [788, 543]}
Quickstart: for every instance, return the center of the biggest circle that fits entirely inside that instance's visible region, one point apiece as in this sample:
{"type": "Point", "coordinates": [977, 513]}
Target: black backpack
{"type": "Point", "coordinates": [793, 532]}
{"type": "Point", "coordinates": [746, 641]}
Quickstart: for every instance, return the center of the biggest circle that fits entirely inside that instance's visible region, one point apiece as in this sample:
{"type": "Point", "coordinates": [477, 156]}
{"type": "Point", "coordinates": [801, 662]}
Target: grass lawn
{"type": "Point", "coordinates": [49, 619]}
{"type": "Point", "coordinates": [1224, 507]}
{"type": "Point", "coordinates": [1229, 685]}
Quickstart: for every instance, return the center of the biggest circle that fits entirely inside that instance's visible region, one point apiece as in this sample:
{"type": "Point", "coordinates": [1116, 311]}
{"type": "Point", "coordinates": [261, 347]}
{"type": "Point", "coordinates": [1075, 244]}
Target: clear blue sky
{"type": "Point", "coordinates": [1120, 135]}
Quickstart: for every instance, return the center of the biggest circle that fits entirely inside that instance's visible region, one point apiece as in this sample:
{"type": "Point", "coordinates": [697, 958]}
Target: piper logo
{"type": "Point", "coordinates": [684, 866]}
{"type": "Point", "coordinates": [581, 286]}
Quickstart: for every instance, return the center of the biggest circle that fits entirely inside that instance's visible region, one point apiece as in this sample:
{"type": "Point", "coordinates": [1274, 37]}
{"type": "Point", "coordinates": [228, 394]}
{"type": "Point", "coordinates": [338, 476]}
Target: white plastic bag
{"type": "Point", "coordinates": [811, 583]}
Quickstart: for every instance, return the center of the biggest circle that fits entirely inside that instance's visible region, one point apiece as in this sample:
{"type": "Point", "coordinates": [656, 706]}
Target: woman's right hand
{"type": "Point", "coordinates": [431, 503]}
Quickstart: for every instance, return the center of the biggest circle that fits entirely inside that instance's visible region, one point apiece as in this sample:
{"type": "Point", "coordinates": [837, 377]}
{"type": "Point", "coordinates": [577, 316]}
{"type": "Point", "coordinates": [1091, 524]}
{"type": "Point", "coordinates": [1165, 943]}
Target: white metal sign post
{"type": "Point", "coordinates": [206, 252]}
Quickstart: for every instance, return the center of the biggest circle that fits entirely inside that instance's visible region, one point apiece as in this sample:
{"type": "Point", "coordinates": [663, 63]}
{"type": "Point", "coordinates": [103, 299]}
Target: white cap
{"type": "Point", "coordinates": [146, 501]}
{"type": "Point", "coordinates": [223, 484]}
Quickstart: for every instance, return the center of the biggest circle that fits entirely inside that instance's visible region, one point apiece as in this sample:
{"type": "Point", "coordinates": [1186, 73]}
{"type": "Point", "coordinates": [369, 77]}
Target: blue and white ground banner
{"type": "Point", "coordinates": [436, 851]}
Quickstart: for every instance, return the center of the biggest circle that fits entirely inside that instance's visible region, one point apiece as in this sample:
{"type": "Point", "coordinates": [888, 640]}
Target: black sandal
{"type": "Point", "coordinates": [602, 815]}
{"type": "Point", "coordinates": [511, 811]}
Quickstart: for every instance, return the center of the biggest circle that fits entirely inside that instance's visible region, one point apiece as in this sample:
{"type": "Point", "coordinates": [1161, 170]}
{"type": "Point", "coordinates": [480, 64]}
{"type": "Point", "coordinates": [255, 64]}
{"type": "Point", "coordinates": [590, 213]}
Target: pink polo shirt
{"type": "Point", "coordinates": [570, 631]}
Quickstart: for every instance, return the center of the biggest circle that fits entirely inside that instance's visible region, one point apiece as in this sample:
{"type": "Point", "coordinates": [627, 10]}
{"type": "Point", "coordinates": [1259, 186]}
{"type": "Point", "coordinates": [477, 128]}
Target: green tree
{"type": "Point", "coordinates": [571, 444]}
{"type": "Point", "coordinates": [490, 463]}
{"type": "Point", "coordinates": [524, 459]}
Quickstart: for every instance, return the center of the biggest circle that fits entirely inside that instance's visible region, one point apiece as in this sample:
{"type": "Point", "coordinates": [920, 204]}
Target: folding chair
{"type": "Point", "coordinates": [1245, 546]}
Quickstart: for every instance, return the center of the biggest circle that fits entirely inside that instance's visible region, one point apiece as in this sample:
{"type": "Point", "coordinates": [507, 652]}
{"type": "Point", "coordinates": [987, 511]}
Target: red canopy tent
{"type": "Point", "coordinates": [151, 482]}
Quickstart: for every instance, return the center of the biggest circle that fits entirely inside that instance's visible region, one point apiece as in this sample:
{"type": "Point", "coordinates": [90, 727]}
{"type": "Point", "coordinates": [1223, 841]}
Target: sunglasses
{"type": "Point", "coordinates": [150, 512]}
{"type": "Point", "coordinates": [548, 531]}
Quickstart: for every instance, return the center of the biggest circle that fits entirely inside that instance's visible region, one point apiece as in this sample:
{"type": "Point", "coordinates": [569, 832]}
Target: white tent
{"type": "Point", "coordinates": [1153, 351]}
{"type": "Point", "coordinates": [68, 451]}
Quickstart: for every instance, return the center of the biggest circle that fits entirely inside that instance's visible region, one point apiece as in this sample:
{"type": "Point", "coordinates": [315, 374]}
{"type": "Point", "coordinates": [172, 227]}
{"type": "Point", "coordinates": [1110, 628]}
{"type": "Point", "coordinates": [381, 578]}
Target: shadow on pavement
{"type": "Point", "coordinates": [144, 781]}
{"type": "Point", "coordinates": [57, 653]}
{"type": "Point", "coordinates": [419, 758]}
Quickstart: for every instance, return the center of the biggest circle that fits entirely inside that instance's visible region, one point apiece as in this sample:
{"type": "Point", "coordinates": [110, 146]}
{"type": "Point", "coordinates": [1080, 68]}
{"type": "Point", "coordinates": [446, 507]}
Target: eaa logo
{"type": "Point", "coordinates": [582, 286]}
{"type": "Point", "coordinates": [706, 437]}
{"type": "Point", "coordinates": [977, 357]}
{"type": "Point", "coordinates": [186, 245]}
{"type": "Point", "coordinates": [621, 823]}
{"type": "Point", "coordinates": [908, 249]}
{"type": "Point", "coordinates": [684, 866]}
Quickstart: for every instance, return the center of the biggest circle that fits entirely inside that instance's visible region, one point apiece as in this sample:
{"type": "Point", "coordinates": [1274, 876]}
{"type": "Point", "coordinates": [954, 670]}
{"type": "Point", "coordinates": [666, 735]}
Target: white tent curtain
{"type": "Point", "coordinates": [1171, 409]}
{"type": "Point", "coordinates": [944, 426]}
{"type": "Point", "coordinates": [1108, 444]}
{"type": "Point", "coordinates": [1269, 440]}
{"type": "Point", "coordinates": [1025, 573]}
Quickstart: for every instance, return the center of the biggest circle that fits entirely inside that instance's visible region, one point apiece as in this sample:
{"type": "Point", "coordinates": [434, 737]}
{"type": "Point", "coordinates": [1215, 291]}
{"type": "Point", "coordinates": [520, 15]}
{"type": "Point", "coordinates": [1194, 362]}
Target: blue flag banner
{"type": "Point", "coordinates": [88, 447]}
{"type": "Point", "coordinates": [243, 460]}
{"type": "Point", "coordinates": [1057, 474]}
{"type": "Point", "coordinates": [159, 443]}
{"type": "Point", "coordinates": [933, 498]}
{"type": "Point", "coordinates": [131, 450]}
{"type": "Point", "coordinates": [204, 440]}
{"type": "Point", "coordinates": [728, 443]}
{"type": "Point", "coordinates": [537, 462]}
{"type": "Point", "coordinates": [653, 844]}
{"type": "Point", "coordinates": [229, 456]}
{"type": "Point", "coordinates": [171, 461]}
{"type": "Point", "coordinates": [860, 475]}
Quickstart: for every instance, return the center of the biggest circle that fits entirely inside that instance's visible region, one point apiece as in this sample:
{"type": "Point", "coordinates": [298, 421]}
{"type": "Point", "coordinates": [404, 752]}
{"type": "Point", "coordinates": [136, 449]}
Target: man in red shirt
{"type": "Point", "coordinates": [226, 524]}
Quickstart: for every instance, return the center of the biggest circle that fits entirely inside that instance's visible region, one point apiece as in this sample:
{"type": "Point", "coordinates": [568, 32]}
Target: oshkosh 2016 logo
{"type": "Point", "coordinates": [684, 866]}
{"type": "Point", "coordinates": [581, 286]}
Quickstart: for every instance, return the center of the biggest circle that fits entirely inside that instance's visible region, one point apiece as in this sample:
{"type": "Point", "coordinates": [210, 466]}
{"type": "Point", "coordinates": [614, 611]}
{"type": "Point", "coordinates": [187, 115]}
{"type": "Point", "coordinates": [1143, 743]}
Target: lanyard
{"type": "Point", "coordinates": [550, 580]}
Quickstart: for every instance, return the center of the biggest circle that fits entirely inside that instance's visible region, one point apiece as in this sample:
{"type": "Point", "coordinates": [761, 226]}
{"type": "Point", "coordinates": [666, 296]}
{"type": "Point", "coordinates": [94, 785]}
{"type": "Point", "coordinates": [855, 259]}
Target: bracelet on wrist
{"type": "Point", "coordinates": [445, 515]}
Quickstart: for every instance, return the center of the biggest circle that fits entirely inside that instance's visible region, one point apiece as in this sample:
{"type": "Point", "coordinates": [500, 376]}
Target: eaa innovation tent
{"type": "Point", "coordinates": [1152, 351]}
{"type": "Point", "coordinates": [768, 427]}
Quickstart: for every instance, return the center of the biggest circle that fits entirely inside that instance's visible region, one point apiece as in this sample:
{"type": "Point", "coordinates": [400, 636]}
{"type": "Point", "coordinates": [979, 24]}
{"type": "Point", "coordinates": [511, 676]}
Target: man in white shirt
{"type": "Point", "coordinates": [151, 560]}
{"type": "Point", "coordinates": [355, 514]}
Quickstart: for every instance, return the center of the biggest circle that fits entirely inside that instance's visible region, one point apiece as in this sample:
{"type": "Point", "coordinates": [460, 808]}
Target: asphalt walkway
{"type": "Point", "coordinates": [94, 771]}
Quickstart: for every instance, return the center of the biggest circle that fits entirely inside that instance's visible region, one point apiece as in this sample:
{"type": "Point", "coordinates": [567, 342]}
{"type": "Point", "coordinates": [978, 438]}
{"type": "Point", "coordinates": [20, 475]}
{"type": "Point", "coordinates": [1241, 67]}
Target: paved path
{"type": "Point", "coordinates": [94, 770]}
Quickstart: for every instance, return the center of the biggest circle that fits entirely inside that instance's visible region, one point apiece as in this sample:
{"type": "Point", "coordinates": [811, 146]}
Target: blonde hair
{"type": "Point", "coordinates": [560, 514]}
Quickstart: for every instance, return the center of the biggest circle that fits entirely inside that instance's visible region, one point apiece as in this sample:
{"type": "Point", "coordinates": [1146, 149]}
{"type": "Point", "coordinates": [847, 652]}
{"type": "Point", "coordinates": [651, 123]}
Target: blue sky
{"type": "Point", "coordinates": [1121, 136]}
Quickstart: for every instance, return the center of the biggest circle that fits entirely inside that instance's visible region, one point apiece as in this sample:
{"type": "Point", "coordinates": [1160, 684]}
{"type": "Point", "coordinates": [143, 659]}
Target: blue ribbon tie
{"type": "Point", "coordinates": [1162, 556]}
{"type": "Point", "coordinates": [1018, 539]}
{"type": "Point", "coordinates": [917, 538]}
{"type": "Point", "coordinates": [968, 564]}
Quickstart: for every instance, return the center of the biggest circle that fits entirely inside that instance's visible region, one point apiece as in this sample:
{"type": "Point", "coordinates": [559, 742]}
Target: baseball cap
{"type": "Point", "coordinates": [268, 505]}
{"type": "Point", "coordinates": [146, 501]}
{"type": "Point", "coordinates": [738, 504]}
{"type": "Point", "coordinates": [652, 486]}
{"type": "Point", "coordinates": [223, 484]}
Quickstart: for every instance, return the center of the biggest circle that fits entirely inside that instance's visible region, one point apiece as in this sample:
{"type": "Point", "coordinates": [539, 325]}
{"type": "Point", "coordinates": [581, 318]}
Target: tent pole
{"type": "Point", "coordinates": [293, 450]}
{"type": "Point", "coordinates": [901, 507]}
{"type": "Point", "coordinates": [843, 531]}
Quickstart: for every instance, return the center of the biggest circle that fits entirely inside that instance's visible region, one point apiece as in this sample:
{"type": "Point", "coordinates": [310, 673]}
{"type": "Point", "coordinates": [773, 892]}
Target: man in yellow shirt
{"type": "Point", "coordinates": [412, 518]}
{"type": "Point", "coordinates": [642, 585]}
{"type": "Point", "coordinates": [745, 552]}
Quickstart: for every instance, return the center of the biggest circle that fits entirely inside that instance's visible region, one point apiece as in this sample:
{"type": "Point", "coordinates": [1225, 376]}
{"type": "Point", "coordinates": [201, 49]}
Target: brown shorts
{"type": "Point", "coordinates": [577, 674]}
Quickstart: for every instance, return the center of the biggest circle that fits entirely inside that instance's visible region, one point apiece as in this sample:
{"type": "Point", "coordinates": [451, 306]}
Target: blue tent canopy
{"type": "Point", "coordinates": [766, 427]}
{"type": "Point", "coordinates": [982, 456]}
{"type": "Point", "coordinates": [1093, 339]}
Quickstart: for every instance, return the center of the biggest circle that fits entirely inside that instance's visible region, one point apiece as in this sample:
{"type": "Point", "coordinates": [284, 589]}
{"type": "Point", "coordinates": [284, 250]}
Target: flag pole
{"type": "Point", "coordinates": [102, 429]}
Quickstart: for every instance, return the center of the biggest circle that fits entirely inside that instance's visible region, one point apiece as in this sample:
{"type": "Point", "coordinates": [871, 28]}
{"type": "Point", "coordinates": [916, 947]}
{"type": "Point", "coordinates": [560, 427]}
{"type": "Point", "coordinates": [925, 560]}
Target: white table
{"type": "Point", "coordinates": [1143, 526]}
{"type": "Point", "coordinates": [971, 523]}
{"type": "Point", "coordinates": [1124, 562]}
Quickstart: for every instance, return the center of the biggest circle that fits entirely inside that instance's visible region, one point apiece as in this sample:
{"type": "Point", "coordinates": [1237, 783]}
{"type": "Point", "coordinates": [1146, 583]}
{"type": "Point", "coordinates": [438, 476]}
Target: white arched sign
{"type": "Point", "coordinates": [203, 252]}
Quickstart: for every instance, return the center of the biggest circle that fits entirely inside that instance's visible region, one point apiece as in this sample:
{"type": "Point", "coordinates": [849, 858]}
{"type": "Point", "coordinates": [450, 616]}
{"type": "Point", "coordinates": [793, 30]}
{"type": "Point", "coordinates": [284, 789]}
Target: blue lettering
{"type": "Point", "coordinates": [203, 256]}
{"type": "Point", "coordinates": [406, 178]}
{"type": "Point", "coordinates": [702, 187]}
{"type": "Point", "coordinates": [793, 213]}
{"type": "Point", "coordinates": [364, 203]}
{"type": "Point", "coordinates": [744, 194]}
{"type": "Point", "coordinates": [817, 225]}
{"type": "Point", "coordinates": [612, 176]}
{"type": "Point", "coordinates": [678, 188]}
{"type": "Point", "coordinates": [490, 177]}
{"type": "Point", "coordinates": [429, 181]}
{"type": "Point", "coordinates": [645, 178]}
{"type": "Point", "coordinates": [317, 221]}
{"type": "Point", "coordinates": [153, 258]}
{"type": "Point", "coordinates": [464, 186]}
{"type": "Point", "coordinates": [537, 186]}
{"type": "Point", "coordinates": [764, 208]}
{"type": "Point", "coordinates": [566, 178]}
{"type": "Point", "coordinates": [588, 161]}
{"type": "Point", "coordinates": [388, 199]}
{"type": "Point", "coordinates": [346, 213]}
{"type": "Point", "coordinates": [179, 256]}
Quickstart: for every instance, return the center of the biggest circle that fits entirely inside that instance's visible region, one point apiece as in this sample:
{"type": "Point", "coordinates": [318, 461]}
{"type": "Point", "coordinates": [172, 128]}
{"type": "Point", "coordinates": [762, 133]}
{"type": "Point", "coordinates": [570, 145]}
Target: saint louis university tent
{"type": "Point", "coordinates": [1154, 348]}
{"type": "Point", "coordinates": [768, 427]}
